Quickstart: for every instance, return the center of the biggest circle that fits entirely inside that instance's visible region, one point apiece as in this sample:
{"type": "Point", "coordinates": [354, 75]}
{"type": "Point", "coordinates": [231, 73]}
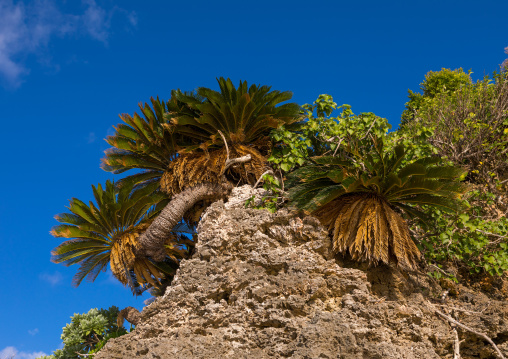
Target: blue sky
{"type": "Point", "coordinates": [68, 68]}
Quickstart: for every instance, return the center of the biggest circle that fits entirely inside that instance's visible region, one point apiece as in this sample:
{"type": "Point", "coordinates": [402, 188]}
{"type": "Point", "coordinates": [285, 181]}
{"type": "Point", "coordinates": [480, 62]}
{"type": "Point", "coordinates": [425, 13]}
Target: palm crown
{"type": "Point", "coordinates": [242, 114]}
{"type": "Point", "coordinates": [360, 199]}
{"type": "Point", "coordinates": [172, 141]}
{"type": "Point", "coordinates": [107, 232]}
{"type": "Point", "coordinates": [242, 117]}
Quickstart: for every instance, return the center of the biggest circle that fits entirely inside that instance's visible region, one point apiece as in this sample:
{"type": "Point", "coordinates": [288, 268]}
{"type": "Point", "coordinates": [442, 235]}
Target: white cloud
{"type": "Point", "coordinates": [12, 31]}
{"type": "Point", "coordinates": [52, 279]}
{"type": "Point", "coordinates": [27, 29]}
{"type": "Point", "coordinates": [133, 18]}
{"type": "Point", "coordinates": [91, 137]}
{"type": "Point", "coordinates": [33, 331]}
{"type": "Point", "coordinates": [97, 21]}
{"type": "Point", "coordinates": [13, 353]}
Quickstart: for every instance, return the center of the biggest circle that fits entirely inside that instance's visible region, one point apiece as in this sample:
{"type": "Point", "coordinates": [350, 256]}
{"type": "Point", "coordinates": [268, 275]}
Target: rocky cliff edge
{"type": "Point", "coordinates": [264, 285]}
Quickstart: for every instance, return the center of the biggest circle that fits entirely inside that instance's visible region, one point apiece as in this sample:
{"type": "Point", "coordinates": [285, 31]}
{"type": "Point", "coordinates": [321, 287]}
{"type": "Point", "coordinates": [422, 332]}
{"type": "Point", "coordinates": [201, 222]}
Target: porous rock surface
{"type": "Point", "coordinates": [264, 285]}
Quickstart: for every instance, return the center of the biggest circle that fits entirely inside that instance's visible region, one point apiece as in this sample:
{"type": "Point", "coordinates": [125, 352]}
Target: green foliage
{"type": "Point", "coordinates": [481, 249]}
{"type": "Point", "coordinates": [141, 142]}
{"type": "Point", "coordinates": [97, 232]}
{"type": "Point", "coordinates": [469, 239]}
{"type": "Point", "coordinates": [321, 134]}
{"type": "Point", "coordinates": [466, 124]}
{"type": "Point", "coordinates": [355, 193]}
{"type": "Point", "coordinates": [436, 82]}
{"type": "Point", "coordinates": [245, 114]}
{"type": "Point", "coordinates": [275, 197]}
{"type": "Point", "coordinates": [87, 333]}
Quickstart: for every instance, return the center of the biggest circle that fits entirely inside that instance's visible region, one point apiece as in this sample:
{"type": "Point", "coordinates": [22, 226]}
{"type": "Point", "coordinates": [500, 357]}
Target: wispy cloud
{"type": "Point", "coordinates": [12, 352]}
{"type": "Point", "coordinates": [52, 279]}
{"type": "Point", "coordinates": [91, 137]}
{"type": "Point", "coordinates": [33, 331]}
{"type": "Point", "coordinates": [97, 21]}
{"type": "Point", "coordinates": [27, 28]}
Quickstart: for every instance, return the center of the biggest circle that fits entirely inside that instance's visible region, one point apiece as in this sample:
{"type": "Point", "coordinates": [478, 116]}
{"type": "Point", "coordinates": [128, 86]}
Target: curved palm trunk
{"type": "Point", "coordinates": [131, 314]}
{"type": "Point", "coordinates": [152, 240]}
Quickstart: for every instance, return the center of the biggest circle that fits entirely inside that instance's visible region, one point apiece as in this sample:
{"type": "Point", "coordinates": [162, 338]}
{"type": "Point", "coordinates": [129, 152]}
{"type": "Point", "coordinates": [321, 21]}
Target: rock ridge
{"type": "Point", "coordinates": [263, 285]}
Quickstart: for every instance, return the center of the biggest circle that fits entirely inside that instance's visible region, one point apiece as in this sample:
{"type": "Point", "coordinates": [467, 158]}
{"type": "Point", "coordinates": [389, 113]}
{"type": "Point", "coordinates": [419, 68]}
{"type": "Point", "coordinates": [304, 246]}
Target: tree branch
{"type": "Point", "coordinates": [484, 336]}
{"type": "Point", "coordinates": [269, 172]}
{"type": "Point", "coordinates": [225, 143]}
{"type": "Point", "coordinates": [234, 161]}
{"type": "Point", "coordinates": [152, 240]}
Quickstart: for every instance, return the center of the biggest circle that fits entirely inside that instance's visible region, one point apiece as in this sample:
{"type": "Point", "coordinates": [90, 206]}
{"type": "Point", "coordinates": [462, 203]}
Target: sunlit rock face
{"type": "Point", "coordinates": [264, 285]}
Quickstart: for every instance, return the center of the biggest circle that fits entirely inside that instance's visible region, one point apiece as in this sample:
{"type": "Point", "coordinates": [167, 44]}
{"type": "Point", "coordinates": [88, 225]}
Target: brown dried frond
{"type": "Point", "coordinates": [365, 226]}
{"type": "Point", "coordinates": [123, 259]}
{"type": "Point", "coordinates": [190, 169]}
{"type": "Point", "coordinates": [404, 249]}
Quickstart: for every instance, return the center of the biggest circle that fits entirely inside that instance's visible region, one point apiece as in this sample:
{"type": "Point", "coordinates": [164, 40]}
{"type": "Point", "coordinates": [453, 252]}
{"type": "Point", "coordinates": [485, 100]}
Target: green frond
{"type": "Point", "coordinates": [330, 160]}
{"type": "Point", "coordinates": [445, 172]}
{"type": "Point", "coordinates": [412, 169]}
{"type": "Point", "coordinates": [302, 194]}
{"type": "Point", "coordinates": [145, 141]}
{"type": "Point", "coordinates": [324, 196]}
{"type": "Point", "coordinates": [77, 231]}
{"type": "Point", "coordinates": [242, 116]}
{"type": "Point", "coordinates": [445, 204]}
{"type": "Point", "coordinates": [309, 173]}
{"type": "Point", "coordinates": [90, 268]}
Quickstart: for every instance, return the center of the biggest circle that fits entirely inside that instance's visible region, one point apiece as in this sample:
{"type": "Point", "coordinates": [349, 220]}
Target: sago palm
{"type": "Point", "coordinates": [205, 127]}
{"type": "Point", "coordinates": [107, 232]}
{"type": "Point", "coordinates": [361, 199]}
{"type": "Point", "coordinates": [242, 117]}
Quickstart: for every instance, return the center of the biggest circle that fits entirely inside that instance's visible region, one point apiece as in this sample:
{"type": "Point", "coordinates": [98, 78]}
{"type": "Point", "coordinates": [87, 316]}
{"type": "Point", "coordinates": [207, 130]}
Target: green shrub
{"type": "Point", "coordinates": [87, 333]}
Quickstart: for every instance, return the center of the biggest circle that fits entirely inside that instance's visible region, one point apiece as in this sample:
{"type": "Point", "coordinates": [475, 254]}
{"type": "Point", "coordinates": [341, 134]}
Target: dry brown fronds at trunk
{"type": "Point", "coordinates": [365, 226]}
{"type": "Point", "coordinates": [123, 258]}
{"type": "Point", "coordinates": [190, 169]}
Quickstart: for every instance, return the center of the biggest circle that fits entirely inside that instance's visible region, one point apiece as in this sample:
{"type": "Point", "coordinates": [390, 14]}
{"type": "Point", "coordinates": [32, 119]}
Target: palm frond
{"type": "Point", "coordinates": [107, 231]}
{"type": "Point", "coordinates": [146, 143]}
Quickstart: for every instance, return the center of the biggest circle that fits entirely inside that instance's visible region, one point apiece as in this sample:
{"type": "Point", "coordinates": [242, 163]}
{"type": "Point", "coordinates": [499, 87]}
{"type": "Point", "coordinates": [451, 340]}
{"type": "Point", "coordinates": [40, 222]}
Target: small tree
{"type": "Point", "coordinates": [436, 83]}
{"type": "Point", "coordinates": [87, 333]}
{"type": "Point", "coordinates": [466, 124]}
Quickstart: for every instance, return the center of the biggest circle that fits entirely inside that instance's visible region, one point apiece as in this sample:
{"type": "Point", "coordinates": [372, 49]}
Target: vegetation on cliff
{"type": "Point", "coordinates": [386, 197]}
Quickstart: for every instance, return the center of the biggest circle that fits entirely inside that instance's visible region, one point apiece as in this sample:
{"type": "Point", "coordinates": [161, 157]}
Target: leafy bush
{"type": "Point", "coordinates": [436, 83]}
{"type": "Point", "coordinates": [88, 333]}
{"type": "Point", "coordinates": [477, 239]}
{"type": "Point", "coordinates": [321, 134]}
{"type": "Point", "coordinates": [450, 101]}
{"type": "Point", "coordinates": [318, 134]}
{"type": "Point", "coordinates": [468, 126]}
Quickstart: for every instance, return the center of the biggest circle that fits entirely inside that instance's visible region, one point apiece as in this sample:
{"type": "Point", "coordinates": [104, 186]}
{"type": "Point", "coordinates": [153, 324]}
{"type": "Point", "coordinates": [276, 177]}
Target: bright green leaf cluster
{"type": "Point", "coordinates": [87, 333]}
{"type": "Point", "coordinates": [321, 134]}
{"type": "Point", "coordinates": [474, 240]}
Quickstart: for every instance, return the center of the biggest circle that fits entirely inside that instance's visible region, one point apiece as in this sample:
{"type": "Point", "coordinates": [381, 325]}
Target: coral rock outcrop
{"type": "Point", "coordinates": [263, 285]}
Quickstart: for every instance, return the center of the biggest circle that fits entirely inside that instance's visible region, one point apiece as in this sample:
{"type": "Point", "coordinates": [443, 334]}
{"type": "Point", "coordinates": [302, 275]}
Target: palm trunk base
{"type": "Point", "coordinates": [131, 314]}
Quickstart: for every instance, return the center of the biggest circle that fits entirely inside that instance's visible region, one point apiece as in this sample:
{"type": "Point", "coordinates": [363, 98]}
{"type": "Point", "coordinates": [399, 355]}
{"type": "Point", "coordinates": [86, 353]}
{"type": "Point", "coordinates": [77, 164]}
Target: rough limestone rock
{"type": "Point", "coordinates": [264, 285]}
